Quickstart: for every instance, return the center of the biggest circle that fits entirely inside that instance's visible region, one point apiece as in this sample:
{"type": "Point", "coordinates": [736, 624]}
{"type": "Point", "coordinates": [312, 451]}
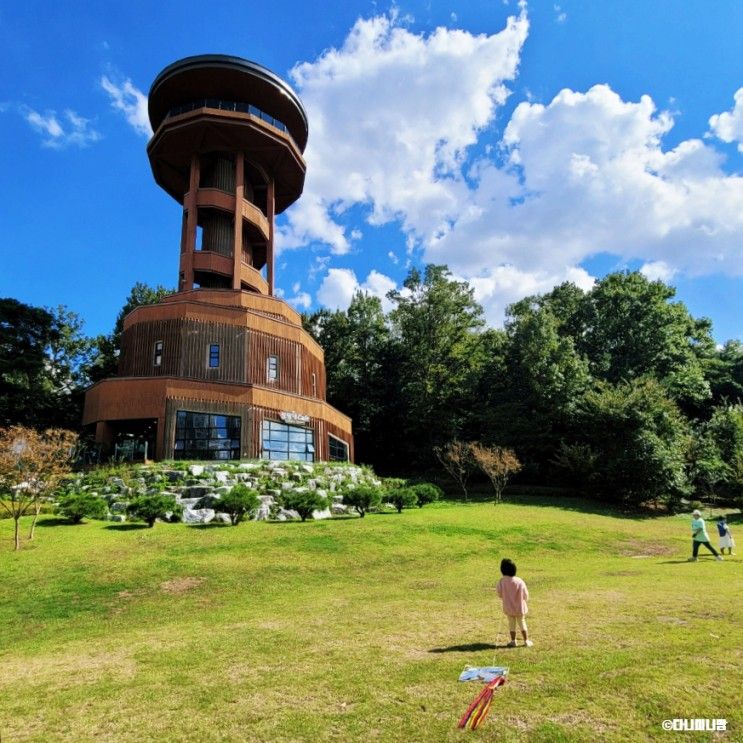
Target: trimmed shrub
{"type": "Point", "coordinates": [241, 501]}
{"type": "Point", "coordinates": [77, 506]}
{"type": "Point", "coordinates": [427, 492]}
{"type": "Point", "coordinates": [363, 499]}
{"type": "Point", "coordinates": [149, 508]}
{"type": "Point", "coordinates": [304, 503]}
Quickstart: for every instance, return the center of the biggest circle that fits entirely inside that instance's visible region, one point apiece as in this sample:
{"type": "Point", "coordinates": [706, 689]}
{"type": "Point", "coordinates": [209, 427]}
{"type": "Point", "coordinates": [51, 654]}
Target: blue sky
{"type": "Point", "coordinates": [521, 144]}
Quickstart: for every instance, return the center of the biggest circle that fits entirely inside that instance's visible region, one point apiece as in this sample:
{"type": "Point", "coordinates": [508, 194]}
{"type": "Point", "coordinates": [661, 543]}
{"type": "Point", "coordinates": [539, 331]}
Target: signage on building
{"type": "Point", "coordinates": [293, 418]}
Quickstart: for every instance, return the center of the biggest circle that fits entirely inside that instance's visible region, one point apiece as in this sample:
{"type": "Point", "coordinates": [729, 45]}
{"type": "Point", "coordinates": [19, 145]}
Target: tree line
{"type": "Point", "coordinates": [617, 391]}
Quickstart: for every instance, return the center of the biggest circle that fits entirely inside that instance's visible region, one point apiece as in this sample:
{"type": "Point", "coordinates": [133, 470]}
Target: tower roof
{"type": "Point", "coordinates": [227, 78]}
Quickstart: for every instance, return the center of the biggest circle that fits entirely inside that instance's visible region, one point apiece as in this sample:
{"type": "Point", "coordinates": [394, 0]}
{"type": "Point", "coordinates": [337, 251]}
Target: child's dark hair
{"type": "Point", "coordinates": [507, 567]}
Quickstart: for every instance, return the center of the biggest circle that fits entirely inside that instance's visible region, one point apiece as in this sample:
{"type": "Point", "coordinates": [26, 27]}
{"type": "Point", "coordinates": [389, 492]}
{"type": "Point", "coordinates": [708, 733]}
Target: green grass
{"type": "Point", "coordinates": [356, 630]}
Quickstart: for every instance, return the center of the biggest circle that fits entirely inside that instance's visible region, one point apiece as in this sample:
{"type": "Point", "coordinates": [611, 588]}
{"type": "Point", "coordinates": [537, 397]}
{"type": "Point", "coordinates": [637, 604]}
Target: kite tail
{"type": "Point", "coordinates": [478, 710]}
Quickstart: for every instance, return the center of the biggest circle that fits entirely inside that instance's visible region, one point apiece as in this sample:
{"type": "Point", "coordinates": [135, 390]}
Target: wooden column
{"type": "Point", "coordinates": [237, 246]}
{"type": "Point", "coordinates": [269, 248]}
{"type": "Point", "coordinates": [189, 236]}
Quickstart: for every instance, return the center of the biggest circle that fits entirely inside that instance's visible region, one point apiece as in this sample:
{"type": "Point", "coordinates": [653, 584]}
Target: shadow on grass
{"type": "Point", "coordinates": [210, 525]}
{"type": "Point", "coordinates": [56, 522]}
{"type": "Point", "coordinates": [564, 498]}
{"type": "Point", "coordinates": [126, 527]}
{"type": "Point", "coordinates": [472, 647]}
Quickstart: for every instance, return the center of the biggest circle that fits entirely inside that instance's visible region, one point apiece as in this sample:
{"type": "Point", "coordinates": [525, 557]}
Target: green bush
{"type": "Point", "coordinates": [149, 508]}
{"type": "Point", "coordinates": [303, 503]}
{"type": "Point", "coordinates": [77, 506]}
{"type": "Point", "coordinates": [363, 499]}
{"type": "Point", "coordinates": [427, 492]}
{"type": "Point", "coordinates": [396, 493]}
{"type": "Point", "coordinates": [241, 501]}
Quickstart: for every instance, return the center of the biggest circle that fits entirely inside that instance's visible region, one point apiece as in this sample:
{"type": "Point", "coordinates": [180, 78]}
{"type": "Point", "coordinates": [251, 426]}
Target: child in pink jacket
{"type": "Point", "coordinates": [515, 594]}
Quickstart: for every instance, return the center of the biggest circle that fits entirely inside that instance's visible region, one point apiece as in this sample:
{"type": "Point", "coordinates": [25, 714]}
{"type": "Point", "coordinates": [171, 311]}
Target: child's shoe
{"type": "Point", "coordinates": [511, 644]}
{"type": "Point", "coordinates": [528, 643]}
{"type": "Point", "coordinates": [718, 558]}
{"type": "Point", "coordinates": [692, 559]}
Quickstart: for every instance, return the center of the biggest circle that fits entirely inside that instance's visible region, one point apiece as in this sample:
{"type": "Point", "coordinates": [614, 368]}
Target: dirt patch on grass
{"type": "Point", "coordinates": [647, 550]}
{"type": "Point", "coordinates": [181, 585]}
{"type": "Point", "coordinates": [672, 620]}
{"type": "Point", "coordinates": [80, 667]}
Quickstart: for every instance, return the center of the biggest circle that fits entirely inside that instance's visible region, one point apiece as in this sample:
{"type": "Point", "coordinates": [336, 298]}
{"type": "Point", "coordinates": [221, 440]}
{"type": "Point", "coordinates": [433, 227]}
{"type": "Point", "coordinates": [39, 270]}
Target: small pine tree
{"type": "Point", "coordinates": [149, 508]}
{"type": "Point", "coordinates": [363, 499]}
{"type": "Point", "coordinates": [241, 501]}
{"type": "Point", "coordinates": [305, 504]}
{"type": "Point", "coordinates": [426, 492]}
{"type": "Point", "coordinates": [77, 506]}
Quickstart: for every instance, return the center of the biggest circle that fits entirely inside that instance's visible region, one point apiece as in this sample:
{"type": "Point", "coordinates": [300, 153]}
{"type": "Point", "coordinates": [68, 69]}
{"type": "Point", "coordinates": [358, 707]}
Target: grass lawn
{"type": "Point", "coordinates": [357, 629]}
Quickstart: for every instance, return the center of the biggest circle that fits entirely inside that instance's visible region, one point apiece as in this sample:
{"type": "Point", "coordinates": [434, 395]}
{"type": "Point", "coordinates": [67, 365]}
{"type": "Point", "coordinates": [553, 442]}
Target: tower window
{"type": "Point", "coordinates": [213, 356]}
{"type": "Point", "coordinates": [272, 368]}
{"type": "Point", "coordinates": [314, 384]}
{"type": "Point", "coordinates": [157, 358]}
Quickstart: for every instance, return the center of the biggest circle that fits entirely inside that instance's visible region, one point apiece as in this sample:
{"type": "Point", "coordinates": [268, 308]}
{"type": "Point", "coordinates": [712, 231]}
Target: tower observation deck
{"type": "Point", "coordinates": [222, 368]}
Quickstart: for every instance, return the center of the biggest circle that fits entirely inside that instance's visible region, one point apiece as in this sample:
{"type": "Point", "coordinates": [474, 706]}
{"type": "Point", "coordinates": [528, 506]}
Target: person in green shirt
{"type": "Point", "coordinates": [699, 536]}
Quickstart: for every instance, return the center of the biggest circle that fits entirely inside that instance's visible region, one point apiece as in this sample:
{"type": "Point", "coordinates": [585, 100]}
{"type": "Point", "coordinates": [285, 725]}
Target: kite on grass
{"type": "Point", "coordinates": [494, 676]}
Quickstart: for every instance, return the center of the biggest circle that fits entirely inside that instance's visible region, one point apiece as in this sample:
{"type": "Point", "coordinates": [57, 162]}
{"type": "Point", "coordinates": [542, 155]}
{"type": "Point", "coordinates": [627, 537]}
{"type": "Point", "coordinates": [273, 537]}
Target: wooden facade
{"type": "Point", "coordinates": [227, 145]}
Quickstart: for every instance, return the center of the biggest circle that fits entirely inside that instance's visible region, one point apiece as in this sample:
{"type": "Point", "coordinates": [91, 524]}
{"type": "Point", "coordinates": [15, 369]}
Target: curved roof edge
{"type": "Point", "coordinates": [224, 62]}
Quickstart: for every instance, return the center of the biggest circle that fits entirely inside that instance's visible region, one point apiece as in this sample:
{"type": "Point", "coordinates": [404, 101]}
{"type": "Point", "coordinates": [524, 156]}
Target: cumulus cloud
{"type": "Point", "coordinates": [728, 126]}
{"type": "Point", "coordinates": [58, 132]}
{"type": "Point", "coordinates": [657, 271]}
{"type": "Point", "coordinates": [392, 115]}
{"type": "Point", "coordinates": [587, 173]}
{"type": "Point", "coordinates": [340, 284]}
{"type": "Point", "coordinates": [503, 285]}
{"type": "Point", "coordinates": [130, 101]}
{"type": "Point", "coordinates": [404, 130]}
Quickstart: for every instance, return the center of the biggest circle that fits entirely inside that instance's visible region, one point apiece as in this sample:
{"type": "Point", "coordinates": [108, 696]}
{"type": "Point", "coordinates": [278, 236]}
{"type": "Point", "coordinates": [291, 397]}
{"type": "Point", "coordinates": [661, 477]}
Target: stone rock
{"type": "Point", "coordinates": [308, 468]}
{"type": "Point", "coordinates": [286, 514]}
{"type": "Point", "coordinates": [221, 476]}
{"type": "Point", "coordinates": [248, 466]}
{"type": "Point", "coordinates": [174, 476]}
{"type": "Point", "coordinates": [118, 507]}
{"type": "Point", "coordinates": [324, 514]}
{"type": "Point", "coordinates": [197, 515]}
{"type": "Point", "coordinates": [222, 518]}
{"type": "Point", "coordinates": [196, 470]}
{"type": "Point", "coordinates": [287, 485]}
{"type": "Point", "coordinates": [117, 518]}
{"type": "Point", "coordinates": [338, 508]}
{"type": "Point", "coordinates": [222, 490]}
{"type": "Point", "coordinates": [195, 491]}
{"type": "Point", "coordinates": [118, 483]}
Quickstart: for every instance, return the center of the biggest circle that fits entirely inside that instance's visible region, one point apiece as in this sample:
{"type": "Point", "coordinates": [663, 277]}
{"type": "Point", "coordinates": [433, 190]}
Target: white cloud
{"type": "Point", "coordinates": [403, 126]}
{"type": "Point", "coordinates": [392, 115]}
{"type": "Point", "coordinates": [500, 286]}
{"type": "Point", "coordinates": [728, 126]}
{"type": "Point", "coordinates": [587, 173]}
{"type": "Point", "coordinates": [301, 300]}
{"type": "Point", "coordinates": [340, 284]}
{"type": "Point", "coordinates": [657, 271]}
{"type": "Point", "coordinates": [560, 15]}
{"type": "Point", "coordinates": [131, 101]}
{"type": "Point", "coordinates": [61, 131]}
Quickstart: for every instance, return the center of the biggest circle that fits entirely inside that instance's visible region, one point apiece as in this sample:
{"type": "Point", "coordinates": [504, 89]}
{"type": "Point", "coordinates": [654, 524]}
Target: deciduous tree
{"type": "Point", "coordinates": [497, 463]}
{"type": "Point", "coordinates": [31, 465]}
